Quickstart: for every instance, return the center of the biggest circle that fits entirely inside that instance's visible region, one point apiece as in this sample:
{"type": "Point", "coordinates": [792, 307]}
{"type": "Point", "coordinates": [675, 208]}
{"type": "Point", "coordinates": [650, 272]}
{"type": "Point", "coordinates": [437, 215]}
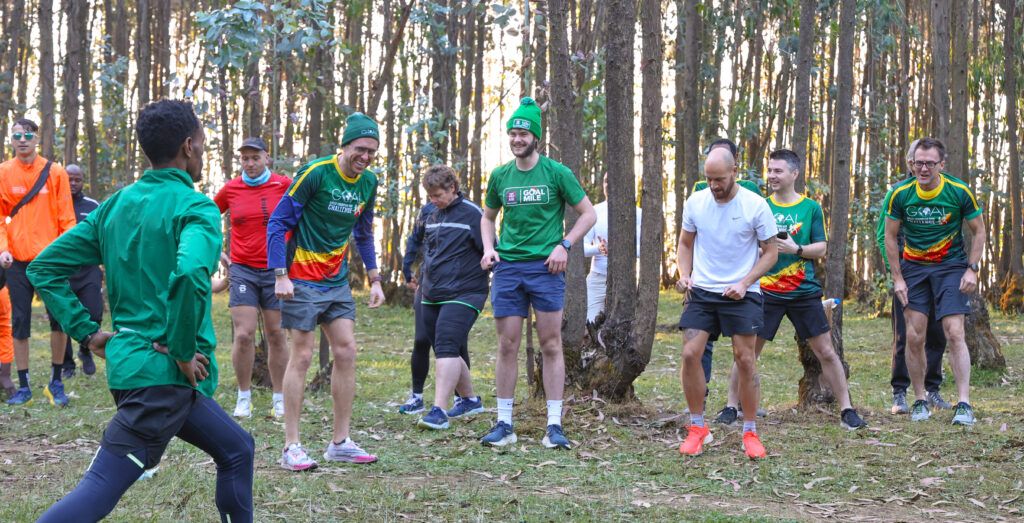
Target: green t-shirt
{"type": "Point", "coordinates": [746, 184]}
{"type": "Point", "coordinates": [332, 203]}
{"type": "Point", "coordinates": [792, 276]}
{"type": "Point", "coordinates": [533, 202]}
{"type": "Point", "coordinates": [931, 220]}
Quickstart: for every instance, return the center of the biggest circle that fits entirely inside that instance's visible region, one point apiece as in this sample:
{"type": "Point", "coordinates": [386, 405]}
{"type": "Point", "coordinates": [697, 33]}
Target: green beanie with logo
{"type": "Point", "coordinates": [358, 125]}
{"type": "Point", "coordinates": [526, 117]}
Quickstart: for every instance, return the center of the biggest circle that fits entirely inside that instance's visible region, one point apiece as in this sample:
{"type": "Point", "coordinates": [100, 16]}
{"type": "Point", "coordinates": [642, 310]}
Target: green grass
{"type": "Point", "coordinates": [624, 466]}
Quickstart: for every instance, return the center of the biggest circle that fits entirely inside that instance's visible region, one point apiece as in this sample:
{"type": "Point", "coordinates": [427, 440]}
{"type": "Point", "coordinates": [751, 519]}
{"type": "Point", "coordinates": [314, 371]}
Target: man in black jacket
{"type": "Point", "coordinates": [453, 288]}
{"type": "Point", "coordinates": [87, 283]}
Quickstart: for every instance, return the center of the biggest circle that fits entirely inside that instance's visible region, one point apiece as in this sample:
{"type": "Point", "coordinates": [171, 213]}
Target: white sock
{"type": "Point", "coordinates": [278, 396]}
{"type": "Point", "coordinates": [505, 410]}
{"type": "Point", "coordinates": [417, 395]}
{"type": "Point", "coordinates": [244, 394]}
{"type": "Point", "coordinates": [555, 412]}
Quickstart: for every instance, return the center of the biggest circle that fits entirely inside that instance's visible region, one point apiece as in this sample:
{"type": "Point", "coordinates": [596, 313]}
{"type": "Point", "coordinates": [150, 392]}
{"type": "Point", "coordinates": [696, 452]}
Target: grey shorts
{"type": "Point", "coordinates": [251, 287]}
{"type": "Point", "coordinates": [312, 306]}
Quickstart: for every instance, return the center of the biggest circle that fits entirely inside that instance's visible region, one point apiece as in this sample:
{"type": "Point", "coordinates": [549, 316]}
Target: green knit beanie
{"type": "Point", "coordinates": [526, 117]}
{"type": "Point", "coordinates": [358, 125]}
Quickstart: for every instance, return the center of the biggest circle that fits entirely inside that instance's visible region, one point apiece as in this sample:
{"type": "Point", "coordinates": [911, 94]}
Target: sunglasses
{"type": "Point", "coordinates": [27, 136]}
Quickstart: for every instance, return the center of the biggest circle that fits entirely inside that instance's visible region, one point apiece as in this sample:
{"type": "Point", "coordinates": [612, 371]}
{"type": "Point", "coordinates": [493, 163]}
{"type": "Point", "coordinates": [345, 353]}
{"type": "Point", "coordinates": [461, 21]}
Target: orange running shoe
{"type": "Point", "coordinates": [753, 447]}
{"type": "Point", "coordinates": [693, 445]}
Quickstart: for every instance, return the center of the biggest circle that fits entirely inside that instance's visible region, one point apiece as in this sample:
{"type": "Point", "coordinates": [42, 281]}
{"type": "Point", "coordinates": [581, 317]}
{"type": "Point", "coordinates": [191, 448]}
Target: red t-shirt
{"type": "Point", "coordinates": [250, 209]}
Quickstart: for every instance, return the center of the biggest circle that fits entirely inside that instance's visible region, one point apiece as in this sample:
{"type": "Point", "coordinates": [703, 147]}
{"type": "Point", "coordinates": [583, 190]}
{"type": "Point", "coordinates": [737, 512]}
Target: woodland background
{"type": "Point", "coordinates": [635, 89]}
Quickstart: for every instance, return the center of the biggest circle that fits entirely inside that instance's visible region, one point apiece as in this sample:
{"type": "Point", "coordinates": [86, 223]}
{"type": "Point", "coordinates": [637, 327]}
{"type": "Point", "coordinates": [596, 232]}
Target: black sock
{"type": "Point", "coordinates": [23, 378]}
{"type": "Point", "coordinates": [57, 369]}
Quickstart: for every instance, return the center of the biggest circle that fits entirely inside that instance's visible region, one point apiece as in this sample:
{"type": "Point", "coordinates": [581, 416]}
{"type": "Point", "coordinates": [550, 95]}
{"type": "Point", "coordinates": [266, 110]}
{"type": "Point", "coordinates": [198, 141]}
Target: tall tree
{"type": "Point", "coordinates": [804, 63]}
{"type": "Point", "coordinates": [11, 46]}
{"type": "Point", "coordinates": [839, 208]}
{"type": "Point", "coordinates": [46, 86]}
{"type": "Point", "coordinates": [143, 50]}
{"type": "Point", "coordinates": [77, 17]}
{"type": "Point", "coordinates": [940, 40]}
{"type": "Point", "coordinates": [1012, 299]}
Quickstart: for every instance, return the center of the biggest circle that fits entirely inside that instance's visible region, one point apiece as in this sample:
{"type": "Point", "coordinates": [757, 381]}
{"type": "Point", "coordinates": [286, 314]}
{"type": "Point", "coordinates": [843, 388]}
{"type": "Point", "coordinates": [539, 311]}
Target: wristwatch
{"type": "Point", "coordinates": [975, 267]}
{"type": "Point", "coordinates": [566, 244]}
{"type": "Point", "coordinates": [281, 271]}
{"type": "Point", "coordinates": [87, 340]}
{"type": "Point", "coordinates": [800, 250]}
{"type": "Point", "coordinates": [375, 279]}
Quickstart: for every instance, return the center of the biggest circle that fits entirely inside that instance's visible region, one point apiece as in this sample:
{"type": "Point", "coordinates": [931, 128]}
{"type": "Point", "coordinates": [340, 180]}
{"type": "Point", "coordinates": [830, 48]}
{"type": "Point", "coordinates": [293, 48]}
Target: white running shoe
{"type": "Point", "coordinates": [277, 411]}
{"type": "Point", "coordinates": [295, 459]}
{"type": "Point", "coordinates": [243, 408]}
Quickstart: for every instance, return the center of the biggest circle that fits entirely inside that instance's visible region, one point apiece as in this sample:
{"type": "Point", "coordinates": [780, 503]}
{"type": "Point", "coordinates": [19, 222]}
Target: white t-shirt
{"type": "Point", "coordinates": [591, 243]}
{"type": "Point", "coordinates": [727, 236]}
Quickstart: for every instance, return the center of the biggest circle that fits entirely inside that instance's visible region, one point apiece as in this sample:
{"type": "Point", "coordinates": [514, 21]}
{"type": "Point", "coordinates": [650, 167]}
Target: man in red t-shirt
{"type": "Point", "coordinates": [250, 199]}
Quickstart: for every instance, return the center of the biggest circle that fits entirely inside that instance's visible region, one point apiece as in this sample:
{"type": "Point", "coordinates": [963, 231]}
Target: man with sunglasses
{"type": "Point", "coordinates": [935, 268]}
{"type": "Point", "coordinates": [37, 223]}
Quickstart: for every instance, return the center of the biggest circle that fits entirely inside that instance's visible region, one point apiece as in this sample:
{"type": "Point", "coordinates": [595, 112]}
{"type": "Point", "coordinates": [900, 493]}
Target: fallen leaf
{"type": "Point", "coordinates": [976, 502]}
{"type": "Point", "coordinates": [641, 503]}
{"type": "Point", "coordinates": [931, 482]}
{"type": "Point", "coordinates": [810, 484]}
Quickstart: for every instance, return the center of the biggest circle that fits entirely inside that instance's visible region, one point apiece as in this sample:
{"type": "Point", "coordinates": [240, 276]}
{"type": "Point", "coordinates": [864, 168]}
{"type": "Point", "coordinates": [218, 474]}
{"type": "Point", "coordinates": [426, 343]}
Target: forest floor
{"type": "Point", "coordinates": [624, 464]}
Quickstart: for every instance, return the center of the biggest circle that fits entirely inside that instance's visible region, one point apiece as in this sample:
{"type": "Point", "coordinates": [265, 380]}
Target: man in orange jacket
{"type": "Point", "coordinates": [40, 221]}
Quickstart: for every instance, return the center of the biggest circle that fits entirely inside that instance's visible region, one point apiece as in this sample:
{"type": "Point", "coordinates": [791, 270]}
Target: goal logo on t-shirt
{"type": "Point", "coordinates": [537, 194]}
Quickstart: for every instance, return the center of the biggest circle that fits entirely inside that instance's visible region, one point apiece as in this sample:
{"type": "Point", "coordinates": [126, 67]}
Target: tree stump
{"type": "Point", "coordinates": [981, 343]}
{"type": "Point", "coordinates": [1011, 301]}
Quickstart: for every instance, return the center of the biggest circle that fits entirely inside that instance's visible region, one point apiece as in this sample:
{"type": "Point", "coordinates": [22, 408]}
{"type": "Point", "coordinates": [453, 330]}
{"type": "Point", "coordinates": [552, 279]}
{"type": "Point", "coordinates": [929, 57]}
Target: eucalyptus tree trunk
{"type": "Point", "coordinates": [77, 17]}
{"type": "Point", "coordinates": [1012, 299]}
{"type": "Point", "coordinates": [802, 109]}
{"type": "Point", "coordinates": [47, 127]}
{"type": "Point", "coordinates": [11, 46]}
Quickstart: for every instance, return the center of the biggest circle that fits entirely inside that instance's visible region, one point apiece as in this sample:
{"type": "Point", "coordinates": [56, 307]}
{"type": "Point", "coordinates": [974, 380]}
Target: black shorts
{"type": "Point", "coordinates": [252, 287]}
{"type": "Point", "coordinates": [720, 316]}
{"type": "Point", "coordinates": [147, 418]}
{"type": "Point", "coordinates": [22, 293]}
{"type": "Point", "coordinates": [447, 325]}
{"type": "Point", "coordinates": [87, 284]}
{"type": "Point", "coordinates": [935, 285]}
{"type": "Point", "coordinates": [806, 314]}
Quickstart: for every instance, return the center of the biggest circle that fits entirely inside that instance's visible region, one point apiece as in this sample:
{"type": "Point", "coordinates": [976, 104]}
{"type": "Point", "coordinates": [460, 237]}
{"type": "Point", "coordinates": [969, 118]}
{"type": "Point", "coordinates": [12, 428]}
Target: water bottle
{"type": "Point", "coordinates": [831, 303]}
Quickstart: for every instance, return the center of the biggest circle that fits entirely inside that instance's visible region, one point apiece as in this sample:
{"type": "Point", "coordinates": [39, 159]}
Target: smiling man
{"type": "Point", "coordinates": [38, 221]}
{"type": "Point", "coordinates": [331, 200]}
{"type": "Point", "coordinates": [529, 264]}
{"type": "Point", "coordinates": [934, 269]}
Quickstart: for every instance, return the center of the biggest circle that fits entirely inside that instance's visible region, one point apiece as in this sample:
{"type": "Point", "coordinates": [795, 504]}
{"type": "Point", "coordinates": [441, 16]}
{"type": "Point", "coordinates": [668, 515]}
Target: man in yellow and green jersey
{"type": "Point", "coordinates": [934, 270]}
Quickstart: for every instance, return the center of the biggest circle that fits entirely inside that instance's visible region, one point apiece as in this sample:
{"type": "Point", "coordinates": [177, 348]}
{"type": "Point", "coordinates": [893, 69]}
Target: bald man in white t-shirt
{"type": "Point", "coordinates": [726, 243]}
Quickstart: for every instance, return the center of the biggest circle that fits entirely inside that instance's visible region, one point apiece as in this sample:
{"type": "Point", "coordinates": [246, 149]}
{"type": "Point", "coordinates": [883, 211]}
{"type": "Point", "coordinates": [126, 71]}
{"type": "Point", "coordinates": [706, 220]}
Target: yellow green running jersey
{"type": "Point", "coordinates": [792, 276]}
{"type": "Point", "coordinates": [931, 220]}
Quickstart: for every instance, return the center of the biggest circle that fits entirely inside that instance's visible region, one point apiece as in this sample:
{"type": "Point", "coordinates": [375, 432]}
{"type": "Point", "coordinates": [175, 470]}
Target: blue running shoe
{"type": "Point", "coordinates": [54, 392]}
{"type": "Point", "coordinates": [413, 405]}
{"type": "Point", "coordinates": [466, 407]}
{"type": "Point", "coordinates": [22, 397]}
{"type": "Point", "coordinates": [435, 419]}
{"type": "Point", "coordinates": [500, 435]}
{"type": "Point", "coordinates": [555, 438]}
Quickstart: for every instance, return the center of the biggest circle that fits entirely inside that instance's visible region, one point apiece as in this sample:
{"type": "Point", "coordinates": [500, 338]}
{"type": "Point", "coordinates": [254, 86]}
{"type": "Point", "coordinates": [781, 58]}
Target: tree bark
{"type": "Point", "coordinates": [11, 46]}
{"type": "Point", "coordinates": [835, 264]}
{"type": "Point", "coordinates": [691, 66]}
{"type": "Point", "coordinates": [143, 52]}
{"type": "Point", "coordinates": [567, 142]}
{"type": "Point", "coordinates": [77, 16]}
{"type": "Point", "coordinates": [802, 109]}
{"type": "Point", "coordinates": [90, 120]}
{"type": "Point", "coordinates": [941, 67]}
{"type": "Point", "coordinates": [478, 105]}
{"type": "Point", "coordinates": [957, 151]}
{"type": "Point", "coordinates": [1012, 95]}
{"type": "Point", "coordinates": [47, 127]}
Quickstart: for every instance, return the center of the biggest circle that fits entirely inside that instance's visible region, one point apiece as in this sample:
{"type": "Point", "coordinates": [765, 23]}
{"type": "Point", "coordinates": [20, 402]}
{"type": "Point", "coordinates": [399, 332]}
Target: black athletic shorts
{"type": "Point", "coordinates": [447, 325]}
{"type": "Point", "coordinates": [717, 315]}
{"type": "Point", "coordinates": [22, 293]}
{"type": "Point", "coordinates": [806, 314]}
{"type": "Point", "coordinates": [87, 284]}
{"type": "Point", "coordinates": [147, 418]}
{"type": "Point", "coordinates": [937, 284]}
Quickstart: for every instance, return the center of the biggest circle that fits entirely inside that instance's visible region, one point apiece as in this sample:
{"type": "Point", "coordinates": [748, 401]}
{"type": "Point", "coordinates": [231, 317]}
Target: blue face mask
{"type": "Point", "coordinates": [257, 181]}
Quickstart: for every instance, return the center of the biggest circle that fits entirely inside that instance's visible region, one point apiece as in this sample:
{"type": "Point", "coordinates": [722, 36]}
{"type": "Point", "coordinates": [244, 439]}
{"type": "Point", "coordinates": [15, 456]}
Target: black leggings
{"type": "Point", "coordinates": [207, 427]}
{"type": "Point", "coordinates": [420, 360]}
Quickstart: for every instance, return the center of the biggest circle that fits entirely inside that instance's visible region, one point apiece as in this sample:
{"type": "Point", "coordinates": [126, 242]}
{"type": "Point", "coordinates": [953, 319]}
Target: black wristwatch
{"type": "Point", "coordinates": [87, 340]}
{"type": "Point", "coordinates": [976, 267]}
{"type": "Point", "coordinates": [800, 250]}
{"type": "Point", "coordinates": [565, 244]}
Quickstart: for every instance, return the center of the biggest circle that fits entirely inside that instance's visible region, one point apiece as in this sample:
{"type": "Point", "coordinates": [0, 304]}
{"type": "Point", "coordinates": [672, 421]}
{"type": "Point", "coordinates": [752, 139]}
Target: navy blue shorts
{"type": "Point", "coordinates": [935, 285]}
{"type": "Point", "coordinates": [518, 285]}
{"type": "Point", "coordinates": [717, 315]}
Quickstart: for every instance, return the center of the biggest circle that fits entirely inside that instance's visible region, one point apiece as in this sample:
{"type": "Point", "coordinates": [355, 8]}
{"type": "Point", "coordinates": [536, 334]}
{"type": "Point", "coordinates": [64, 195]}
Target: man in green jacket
{"type": "Point", "coordinates": [159, 241]}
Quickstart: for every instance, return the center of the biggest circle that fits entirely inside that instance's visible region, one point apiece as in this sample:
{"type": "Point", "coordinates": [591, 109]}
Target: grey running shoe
{"type": "Point", "coordinates": [899, 403]}
{"type": "Point", "coordinates": [936, 401]}
{"type": "Point", "coordinates": [295, 459]}
{"type": "Point", "coordinates": [963, 414]}
{"type": "Point", "coordinates": [920, 411]}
